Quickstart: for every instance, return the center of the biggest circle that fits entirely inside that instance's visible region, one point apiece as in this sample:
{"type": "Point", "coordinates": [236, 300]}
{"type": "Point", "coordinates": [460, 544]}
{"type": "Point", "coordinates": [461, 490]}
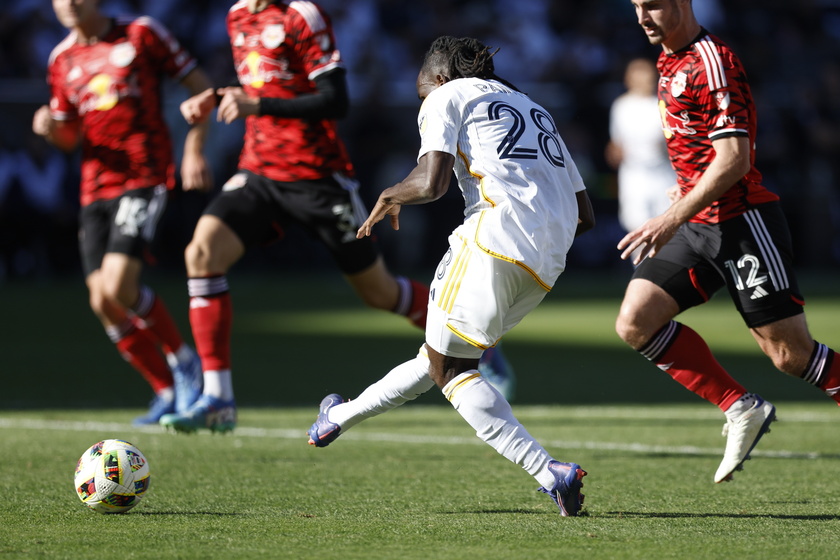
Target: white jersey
{"type": "Point", "coordinates": [516, 175]}
{"type": "Point", "coordinates": [645, 172]}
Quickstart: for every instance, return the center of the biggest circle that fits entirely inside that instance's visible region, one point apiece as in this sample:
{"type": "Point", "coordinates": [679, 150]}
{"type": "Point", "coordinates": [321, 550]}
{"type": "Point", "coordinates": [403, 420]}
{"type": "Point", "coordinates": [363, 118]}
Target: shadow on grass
{"type": "Point", "coordinates": [683, 515]}
{"type": "Point", "coordinates": [191, 513]}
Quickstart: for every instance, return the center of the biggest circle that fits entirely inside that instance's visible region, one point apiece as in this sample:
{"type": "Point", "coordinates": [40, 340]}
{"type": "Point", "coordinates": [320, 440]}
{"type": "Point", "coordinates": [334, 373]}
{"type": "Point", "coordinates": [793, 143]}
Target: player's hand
{"type": "Point", "coordinates": [236, 104]}
{"type": "Point", "coordinates": [42, 122]}
{"type": "Point", "coordinates": [198, 107]}
{"type": "Point", "coordinates": [674, 193]}
{"type": "Point", "coordinates": [380, 210]}
{"type": "Point", "coordinates": [196, 174]}
{"type": "Point", "coordinates": [648, 238]}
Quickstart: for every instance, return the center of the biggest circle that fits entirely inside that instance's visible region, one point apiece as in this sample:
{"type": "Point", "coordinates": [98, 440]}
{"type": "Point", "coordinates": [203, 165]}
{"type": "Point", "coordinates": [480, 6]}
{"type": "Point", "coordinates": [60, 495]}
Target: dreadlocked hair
{"type": "Point", "coordinates": [463, 58]}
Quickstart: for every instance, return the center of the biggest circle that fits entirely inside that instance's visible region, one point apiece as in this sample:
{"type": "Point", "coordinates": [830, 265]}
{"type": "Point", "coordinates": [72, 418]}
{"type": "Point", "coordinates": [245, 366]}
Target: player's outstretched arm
{"type": "Point", "coordinates": [426, 183]}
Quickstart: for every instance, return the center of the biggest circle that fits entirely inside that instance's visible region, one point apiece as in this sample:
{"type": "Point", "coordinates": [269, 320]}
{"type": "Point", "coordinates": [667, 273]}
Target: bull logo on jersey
{"type": "Point", "coordinates": [102, 93]}
{"type": "Point", "coordinates": [678, 84]}
{"type": "Point", "coordinates": [273, 36]}
{"type": "Point", "coordinates": [256, 70]}
{"type": "Point", "coordinates": [675, 123]}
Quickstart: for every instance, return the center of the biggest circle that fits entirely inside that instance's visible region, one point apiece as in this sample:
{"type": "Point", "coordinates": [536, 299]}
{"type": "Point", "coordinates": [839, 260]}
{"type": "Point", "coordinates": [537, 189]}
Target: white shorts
{"type": "Point", "coordinates": [475, 299]}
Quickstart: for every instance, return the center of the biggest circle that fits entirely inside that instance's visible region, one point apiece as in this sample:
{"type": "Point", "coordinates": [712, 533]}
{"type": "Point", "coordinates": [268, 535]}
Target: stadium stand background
{"type": "Point", "coordinates": [569, 56]}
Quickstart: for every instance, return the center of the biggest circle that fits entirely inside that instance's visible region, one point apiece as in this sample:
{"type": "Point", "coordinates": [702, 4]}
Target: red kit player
{"type": "Point", "coordinates": [105, 79]}
{"type": "Point", "coordinates": [293, 171]}
{"type": "Point", "coordinates": [724, 230]}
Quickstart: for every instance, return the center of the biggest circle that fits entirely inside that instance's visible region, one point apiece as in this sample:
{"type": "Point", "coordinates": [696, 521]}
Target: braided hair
{"type": "Point", "coordinates": [462, 58]}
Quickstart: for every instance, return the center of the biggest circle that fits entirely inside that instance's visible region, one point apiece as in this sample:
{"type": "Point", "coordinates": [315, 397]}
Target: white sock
{"type": "Point", "coordinates": [181, 356]}
{"type": "Point", "coordinates": [167, 394]}
{"type": "Point", "coordinates": [218, 384]}
{"type": "Point", "coordinates": [487, 411]}
{"type": "Point", "coordinates": [404, 383]}
{"type": "Point", "coordinates": [746, 402]}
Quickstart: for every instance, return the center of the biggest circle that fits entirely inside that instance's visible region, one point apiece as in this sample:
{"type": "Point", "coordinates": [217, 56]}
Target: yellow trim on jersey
{"type": "Point", "coordinates": [520, 264]}
{"type": "Point", "coordinates": [450, 393]}
{"type": "Point", "coordinates": [500, 256]}
{"type": "Point", "coordinates": [454, 278]}
{"type": "Point", "coordinates": [477, 176]}
{"type": "Point", "coordinates": [465, 338]}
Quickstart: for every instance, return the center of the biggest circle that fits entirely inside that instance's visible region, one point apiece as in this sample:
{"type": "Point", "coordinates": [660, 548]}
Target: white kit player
{"type": "Point", "coordinates": [637, 148]}
{"type": "Point", "coordinates": [524, 204]}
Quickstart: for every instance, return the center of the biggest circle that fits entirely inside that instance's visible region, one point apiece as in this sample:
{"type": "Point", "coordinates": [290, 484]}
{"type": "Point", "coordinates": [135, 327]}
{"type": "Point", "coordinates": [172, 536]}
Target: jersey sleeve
{"type": "Point", "coordinates": [164, 48]}
{"type": "Point", "coordinates": [722, 92]}
{"type": "Point", "coordinates": [315, 40]}
{"type": "Point", "coordinates": [61, 108]}
{"type": "Point", "coordinates": [439, 123]}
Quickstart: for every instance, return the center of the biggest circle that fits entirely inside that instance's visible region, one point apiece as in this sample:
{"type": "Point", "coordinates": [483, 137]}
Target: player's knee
{"type": "Point", "coordinates": [197, 255]}
{"type": "Point", "coordinates": [787, 360]}
{"type": "Point", "coordinates": [629, 331]}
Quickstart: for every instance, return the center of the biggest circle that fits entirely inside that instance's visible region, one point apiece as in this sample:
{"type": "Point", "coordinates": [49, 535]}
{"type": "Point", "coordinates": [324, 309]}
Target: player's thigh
{"type": "Point", "coordinates": [331, 211]}
{"type": "Point", "coordinates": [475, 299]}
{"type": "Point", "coordinates": [249, 206]}
{"type": "Point", "coordinates": [757, 257]}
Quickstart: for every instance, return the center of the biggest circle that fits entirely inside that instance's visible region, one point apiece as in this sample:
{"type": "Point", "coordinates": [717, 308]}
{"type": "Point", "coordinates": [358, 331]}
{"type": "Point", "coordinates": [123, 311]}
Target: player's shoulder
{"type": "Point", "coordinates": [237, 8]}
{"type": "Point", "coordinates": [311, 13]}
{"type": "Point", "coordinates": [142, 24]}
{"type": "Point", "coordinates": [62, 47]}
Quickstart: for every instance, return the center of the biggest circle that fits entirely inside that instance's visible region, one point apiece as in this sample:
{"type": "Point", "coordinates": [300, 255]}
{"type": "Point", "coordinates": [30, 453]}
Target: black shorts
{"type": "Point", "coordinates": [259, 210]}
{"type": "Point", "coordinates": [751, 255]}
{"type": "Point", "coordinates": [126, 224]}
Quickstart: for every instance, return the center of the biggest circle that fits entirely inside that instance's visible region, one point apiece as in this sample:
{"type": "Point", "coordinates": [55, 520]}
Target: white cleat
{"type": "Point", "coordinates": [742, 434]}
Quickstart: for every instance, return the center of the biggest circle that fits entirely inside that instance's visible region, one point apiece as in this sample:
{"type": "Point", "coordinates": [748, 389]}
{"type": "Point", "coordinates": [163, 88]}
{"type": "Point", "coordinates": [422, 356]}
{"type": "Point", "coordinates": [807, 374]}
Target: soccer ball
{"type": "Point", "coordinates": [112, 476]}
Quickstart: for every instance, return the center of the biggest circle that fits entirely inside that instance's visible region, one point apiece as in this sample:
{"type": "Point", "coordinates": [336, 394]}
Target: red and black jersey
{"type": "Point", "coordinates": [114, 86]}
{"type": "Point", "coordinates": [704, 95]}
{"type": "Point", "coordinates": [277, 53]}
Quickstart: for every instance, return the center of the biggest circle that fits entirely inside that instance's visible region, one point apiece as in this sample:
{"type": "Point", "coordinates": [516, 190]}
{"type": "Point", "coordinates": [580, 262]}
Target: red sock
{"type": "Point", "coordinates": [685, 356]}
{"type": "Point", "coordinates": [419, 308]}
{"type": "Point", "coordinates": [824, 371]}
{"type": "Point", "coordinates": [211, 318]}
{"type": "Point", "coordinates": [161, 325]}
{"type": "Point", "coordinates": [138, 348]}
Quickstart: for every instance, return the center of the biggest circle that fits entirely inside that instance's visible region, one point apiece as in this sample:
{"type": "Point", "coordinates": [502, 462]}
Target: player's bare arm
{"type": "Point", "coordinates": [65, 135]}
{"type": "Point", "coordinates": [731, 163]}
{"type": "Point", "coordinates": [586, 216]}
{"type": "Point", "coordinates": [195, 170]}
{"type": "Point", "coordinates": [426, 183]}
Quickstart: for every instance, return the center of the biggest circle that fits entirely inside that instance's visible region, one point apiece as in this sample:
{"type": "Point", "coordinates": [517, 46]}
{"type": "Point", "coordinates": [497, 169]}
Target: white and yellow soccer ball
{"type": "Point", "coordinates": [112, 476]}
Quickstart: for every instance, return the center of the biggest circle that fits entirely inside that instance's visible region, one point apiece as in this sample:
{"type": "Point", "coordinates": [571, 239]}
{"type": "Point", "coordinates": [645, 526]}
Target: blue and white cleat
{"type": "Point", "coordinates": [208, 412]}
{"type": "Point", "coordinates": [742, 435]}
{"type": "Point", "coordinates": [323, 432]}
{"type": "Point", "coordinates": [189, 382]}
{"type": "Point", "coordinates": [157, 408]}
{"type": "Point", "coordinates": [495, 368]}
{"type": "Point", "coordinates": [566, 491]}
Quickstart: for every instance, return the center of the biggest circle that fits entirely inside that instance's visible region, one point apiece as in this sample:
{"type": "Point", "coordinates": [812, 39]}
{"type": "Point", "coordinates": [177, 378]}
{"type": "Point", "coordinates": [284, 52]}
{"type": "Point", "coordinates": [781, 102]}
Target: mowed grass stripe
{"type": "Point", "coordinates": [368, 436]}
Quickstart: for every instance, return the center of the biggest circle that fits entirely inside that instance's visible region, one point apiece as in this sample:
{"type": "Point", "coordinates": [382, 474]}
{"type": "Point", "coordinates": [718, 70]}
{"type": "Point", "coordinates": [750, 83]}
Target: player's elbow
{"type": "Point", "coordinates": [585, 223]}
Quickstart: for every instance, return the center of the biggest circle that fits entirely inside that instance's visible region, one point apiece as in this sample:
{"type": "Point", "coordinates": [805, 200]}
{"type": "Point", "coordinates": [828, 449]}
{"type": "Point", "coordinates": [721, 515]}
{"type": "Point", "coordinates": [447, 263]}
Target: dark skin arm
{"type": "Point", "coordinates": [426, 183]}
{"type": "Point", "coordinates": [586, 216]}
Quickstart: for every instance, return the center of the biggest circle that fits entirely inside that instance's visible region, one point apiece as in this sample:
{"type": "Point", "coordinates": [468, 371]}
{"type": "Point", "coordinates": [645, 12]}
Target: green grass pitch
{"type": "Point", "coordinates": [416, 482]}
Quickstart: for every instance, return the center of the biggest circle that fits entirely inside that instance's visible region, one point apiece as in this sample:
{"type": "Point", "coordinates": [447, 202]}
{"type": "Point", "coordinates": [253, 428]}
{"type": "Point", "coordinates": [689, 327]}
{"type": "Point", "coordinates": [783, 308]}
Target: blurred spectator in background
{"type": "Point", "coordinates": [105, 80]}
{"type": "Point", "coordinates": [637, 148]}
{"type": "Point", "coordinates": [574, 70]}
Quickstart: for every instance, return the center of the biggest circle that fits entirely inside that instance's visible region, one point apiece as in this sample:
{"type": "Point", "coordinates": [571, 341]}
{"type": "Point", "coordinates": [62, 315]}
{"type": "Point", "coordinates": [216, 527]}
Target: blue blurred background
{"type": "Point", "coordinates": [569, 56]}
